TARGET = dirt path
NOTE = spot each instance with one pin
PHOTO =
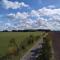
(37, 45)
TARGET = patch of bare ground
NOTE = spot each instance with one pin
(56, 44)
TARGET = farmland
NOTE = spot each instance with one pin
(5, 37)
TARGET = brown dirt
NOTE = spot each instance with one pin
(56, 44)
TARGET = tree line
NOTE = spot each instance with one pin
(28, 30)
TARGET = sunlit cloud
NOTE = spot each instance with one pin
(13, 5)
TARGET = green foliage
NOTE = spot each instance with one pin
(46, 50)
(22, 47)
(30, 39)
(12, 42)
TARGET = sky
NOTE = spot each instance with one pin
(29, 14)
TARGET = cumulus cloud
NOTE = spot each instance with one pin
(44, 18)
(19, 15)
(49, 12)
(35, 13)
(54, 17)
(13, 5)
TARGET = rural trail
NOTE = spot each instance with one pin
(36, 45)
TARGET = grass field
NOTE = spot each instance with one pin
(5, 37)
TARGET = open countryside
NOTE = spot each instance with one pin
(16, 45)
(19, 37)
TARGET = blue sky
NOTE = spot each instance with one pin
(34, 4)
(29, 14)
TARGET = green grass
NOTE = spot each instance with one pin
(5, 37)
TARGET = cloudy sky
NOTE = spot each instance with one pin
(29, 14)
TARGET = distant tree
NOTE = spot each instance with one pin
(14, 30)
(19, 30)
(5, 30)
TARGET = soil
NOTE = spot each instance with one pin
(56, 44)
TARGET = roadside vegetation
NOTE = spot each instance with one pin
(46, 50)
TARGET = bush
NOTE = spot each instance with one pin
(22, 47)
(46, 50)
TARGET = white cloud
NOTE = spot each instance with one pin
(13, 5)
(54, 17)
(35, 13)
(46, 18)
(19, 15)
(23, 15)
(47, 11)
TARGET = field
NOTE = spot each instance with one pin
(56, 44)
(5, 37)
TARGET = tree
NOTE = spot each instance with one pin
(14, 30)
